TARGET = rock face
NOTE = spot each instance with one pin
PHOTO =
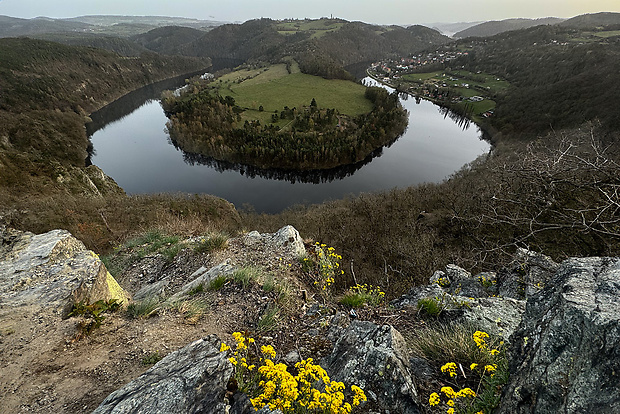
(190, 380)
(565, 356)
(53, 269)
(375, 358)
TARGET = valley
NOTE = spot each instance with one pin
(536, 219)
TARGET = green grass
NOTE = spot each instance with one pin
(318, 28)
(143, 309)
(217, 283)
(151, 359)
(276, 88)
(269, 321)
(483, 80)
(245, 276)
(607, 33)
(212, 243)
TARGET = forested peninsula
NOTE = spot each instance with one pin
(204, 120)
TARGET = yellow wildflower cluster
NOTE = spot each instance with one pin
(373, 294)
(480, 339)
(453, 397)
(450, 368)
(275, 387)
(462, 400)
(328, 266)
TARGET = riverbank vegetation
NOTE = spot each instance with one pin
(277, 117)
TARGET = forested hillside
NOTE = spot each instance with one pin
(561, 77)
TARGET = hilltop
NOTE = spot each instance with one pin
(495, 27)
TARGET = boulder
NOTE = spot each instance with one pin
(287, 239)
(53, 269)
(190, 380)
(565, 355)
(375, 358)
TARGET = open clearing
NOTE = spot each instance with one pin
(274, 87)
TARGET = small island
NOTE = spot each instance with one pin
(277, 117)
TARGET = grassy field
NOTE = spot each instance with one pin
(483, 80)
(273, 88)
(479, 84)
(318, 28)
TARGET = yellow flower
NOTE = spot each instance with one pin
(450, 368)
(473, 366)
(479, 338)
(466, 392)
(490, 369)
(268, 350)
(449, 392)
(224, 347)
(450, 411)
(434, 399)
(232, 360)
(494, 352)
(450, 403)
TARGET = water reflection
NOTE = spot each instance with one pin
(125, 105)
(291, 176)
(461, 120)
(135, 150)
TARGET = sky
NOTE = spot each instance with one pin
(401, 12)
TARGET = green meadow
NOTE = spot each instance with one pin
(274, 87)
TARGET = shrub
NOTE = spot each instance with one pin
(360, 295)
(479, 377)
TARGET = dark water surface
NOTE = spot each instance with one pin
(132, 146)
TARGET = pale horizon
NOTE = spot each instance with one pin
(400, 12)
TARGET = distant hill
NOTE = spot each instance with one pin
(123, 26)
(449, 29)
(153, 21)
(495, 27)
(122, 46)
(342, 42)
(167, 39)
(15, 27)
(586, 21)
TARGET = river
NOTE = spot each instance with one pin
(132, 146)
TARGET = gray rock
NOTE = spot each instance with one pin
(411, 298)
(497, 316)
(566, 352)
(375, 358)
(204, 277)
(53, 269)
(528, 273)
(190, 380)
(287, 239)
(153, 290)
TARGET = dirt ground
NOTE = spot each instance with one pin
(45, 369)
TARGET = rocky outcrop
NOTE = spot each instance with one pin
(190, 380)
(469, 299)
(565, 356)
(286, 239)
(53, 269)
(376, 359)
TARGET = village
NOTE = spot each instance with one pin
(429, 76)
